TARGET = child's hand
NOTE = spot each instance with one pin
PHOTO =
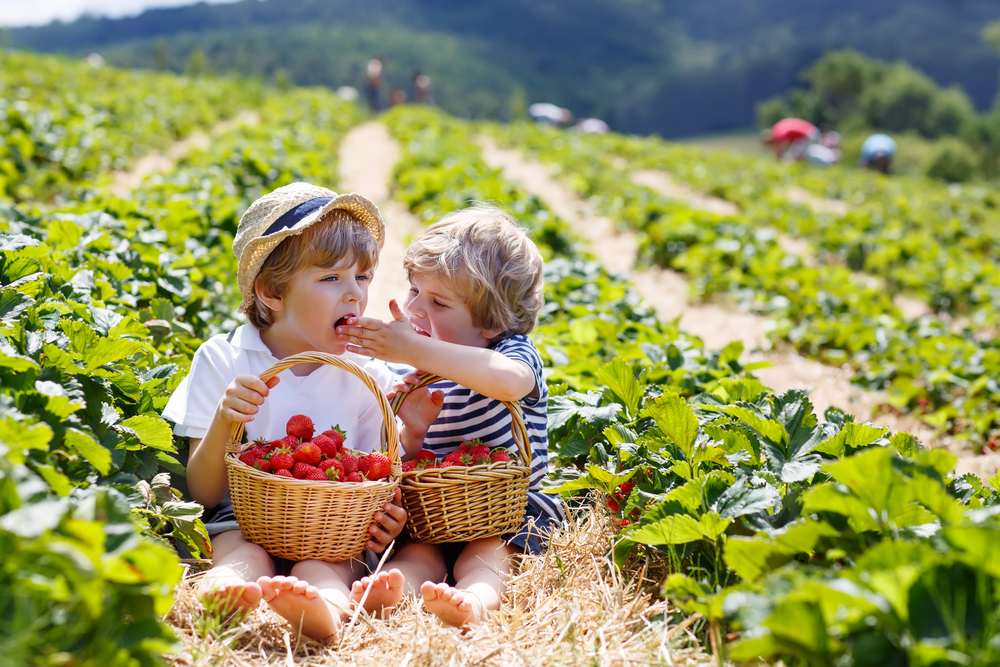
(243, 395)
(388, 524)
(386, 340)
(418, 412)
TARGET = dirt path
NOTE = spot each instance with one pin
(667, 292)
(123, 182)
(367, 156)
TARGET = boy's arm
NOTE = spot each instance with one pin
(482, 370)
(206, 468)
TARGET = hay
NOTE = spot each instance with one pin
(566, 607)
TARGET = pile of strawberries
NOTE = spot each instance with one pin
(321, 458)
(469, 453)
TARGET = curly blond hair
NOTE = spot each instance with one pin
(487, 258)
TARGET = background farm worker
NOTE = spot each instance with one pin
(306, 257)
(550, 114)
(421, 88)
(373, 82)
(475, 295)
(877, 152)
(824, 156)
(789, 137)
(591, 126)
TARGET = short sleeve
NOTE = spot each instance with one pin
(193, 403)
(522, 349)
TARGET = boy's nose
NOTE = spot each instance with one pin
(353, 292)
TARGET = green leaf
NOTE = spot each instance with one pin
(98, 456)
(13, 304)
(768, 428)
(621, 380)
(58, 481)
(851, 437)
(17, 435)
(676, 420)
(108, 350)
(151, 431)
(681, 529)
(753, 557)
(741, 499)
(731, 353)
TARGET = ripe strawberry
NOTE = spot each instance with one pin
(409, 466)
(326, 445)
(613, 505)
(425, 455)
(316, 475)
(326, 464)
(300, 426)
(300, 469)
(290, 441)
(309, 453)
(336, 434)
(263, 465)
(249, 456)
(480, 451)
(349, 460)
(447, 464)
(374, 466)
(455, 457)
(335, 474)
(282, 459)
(283, 472)
(499, 455)
(355, 477)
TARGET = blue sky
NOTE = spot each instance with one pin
(40, 12)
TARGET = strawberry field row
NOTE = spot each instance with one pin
(103, 301)
(826, 310)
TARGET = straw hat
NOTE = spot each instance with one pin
(286, 211)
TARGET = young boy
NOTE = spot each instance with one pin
(306, 256)
(476, 291)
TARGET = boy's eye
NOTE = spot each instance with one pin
(413, 290)
(439, 304)
(365, 276)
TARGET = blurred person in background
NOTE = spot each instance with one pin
(546, 113)
(421, 88)
(877, 153)
(789, 138)
(591, 126)
(373, 80)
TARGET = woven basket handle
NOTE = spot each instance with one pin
(390, 434)
(518, 429)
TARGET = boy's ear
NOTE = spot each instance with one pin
(490, 334)
(272, 301)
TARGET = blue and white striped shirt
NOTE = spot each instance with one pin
(466, 415)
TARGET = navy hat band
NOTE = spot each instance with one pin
(292, 217)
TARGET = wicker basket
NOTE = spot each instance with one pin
(304, 519)
(460, 504)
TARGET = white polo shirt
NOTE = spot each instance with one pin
(329, 395)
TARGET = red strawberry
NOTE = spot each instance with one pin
(455, 457)
(290, 441)
(409, 466)
(283, 472)
(374, 466)
(263, 465)
(326, 464)
(309, 453)
(336, 434)
(349, 460)
(316, 475)
(425, 455)
(355, 477)
(499, 455)
(249, 456)
(335, 474)
(326, 445)
(300, 426)
(613, 505)
(300, 469)
(480, 451)
(282, 459)
(447, 464)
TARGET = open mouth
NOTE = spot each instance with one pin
(343, 320)
(421, 331)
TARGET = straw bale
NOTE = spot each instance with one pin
(567, 607)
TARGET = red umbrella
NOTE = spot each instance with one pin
(793, 129)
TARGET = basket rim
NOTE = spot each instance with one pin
(390, 432)
(518, 428)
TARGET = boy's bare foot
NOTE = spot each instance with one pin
(386, 590)
(300, 604)
(452, 605)
(226, 591)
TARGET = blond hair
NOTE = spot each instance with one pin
(488, 259)
(337, 237)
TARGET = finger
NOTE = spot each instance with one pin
(437, 397)
(401, 387)
(363, 351)
(397, 513)
(239, 405)
(395, 310)
(272, 382)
